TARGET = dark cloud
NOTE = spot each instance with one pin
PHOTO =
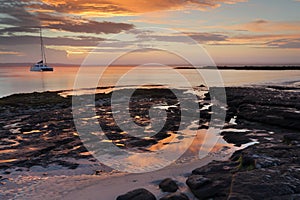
(206, 37)
(17, 14)
(89, 26)
(285, 43)
(260, 21)
(13, 30)
(184, 37)
(59, 41)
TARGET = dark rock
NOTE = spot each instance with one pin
(291, 139)
(267, 170)
(197, 181)
(214, 167)
(287, 197)
(203, 126)
(207, 96)
(262, 184)
(6, 172)
(215, 183)
(247, 162)
(236, 138)
(270, 114)
(262, 161)
(175, 196)
(168, 185)
(138, 194)
(238, 196)
(98, 172)
(216, 189)
(140, 143)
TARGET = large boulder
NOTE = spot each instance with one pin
(213, 187)
(138, 194)
(197, 181)
(168, 185)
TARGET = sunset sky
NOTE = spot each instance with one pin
(232, 31)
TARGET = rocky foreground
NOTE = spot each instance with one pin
(38, 130)
(269, 169)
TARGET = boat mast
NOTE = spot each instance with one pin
(42, 47)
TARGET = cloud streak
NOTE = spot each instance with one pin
(58, 41)
(128, 7)
(285, 43)
(187, 37)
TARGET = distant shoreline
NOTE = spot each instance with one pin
(244, 67)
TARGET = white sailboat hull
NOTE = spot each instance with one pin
(40, 68)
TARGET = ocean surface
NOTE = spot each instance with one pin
(21, 80)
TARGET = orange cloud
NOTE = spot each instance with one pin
(129, 7)
(9, 53)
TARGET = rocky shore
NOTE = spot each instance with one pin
(269, 169)
(37, 130)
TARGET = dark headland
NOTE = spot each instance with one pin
(296, 67)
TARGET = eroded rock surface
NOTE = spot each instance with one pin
(268, 169)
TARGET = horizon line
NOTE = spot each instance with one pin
(153, 65)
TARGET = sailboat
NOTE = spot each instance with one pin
(41, 66)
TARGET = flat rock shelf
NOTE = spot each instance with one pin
(39, 143)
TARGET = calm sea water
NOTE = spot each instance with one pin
(21, 80)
